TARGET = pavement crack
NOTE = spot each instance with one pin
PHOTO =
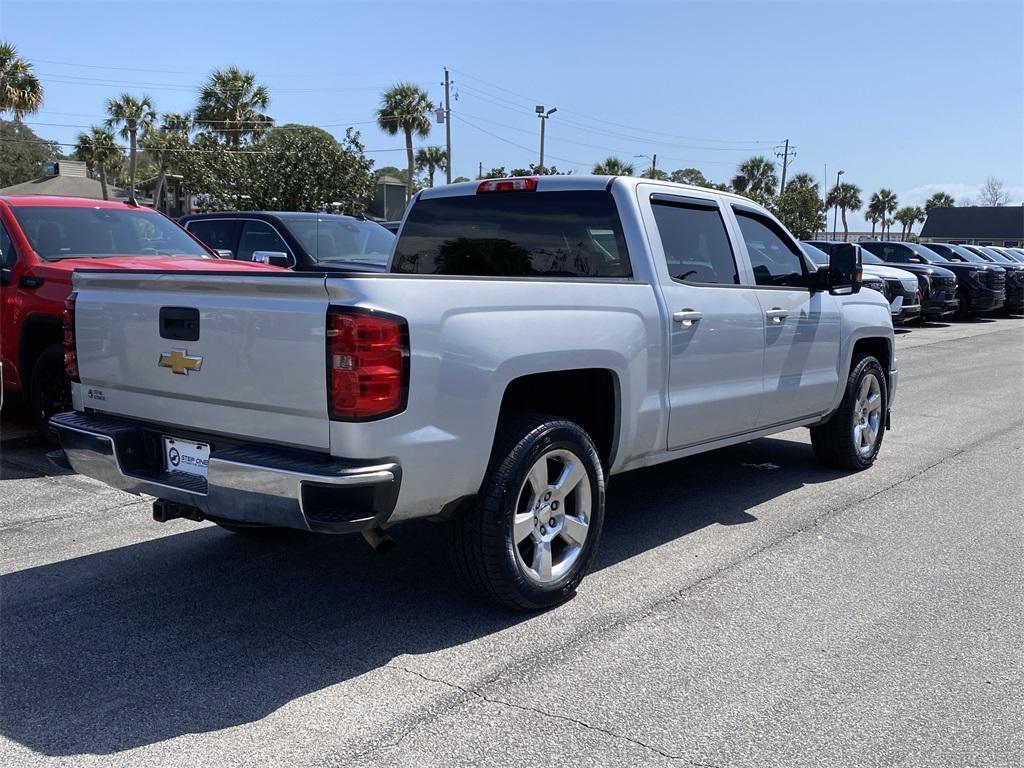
(473, 693)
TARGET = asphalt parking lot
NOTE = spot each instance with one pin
(748, 608)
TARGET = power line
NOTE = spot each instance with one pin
(190, 150)
(514, 144)
(304, 76)
(609, 122)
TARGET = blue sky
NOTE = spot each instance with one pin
(916, 96)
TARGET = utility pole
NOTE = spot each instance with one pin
(784, 153)
(539, 109)
(447, 127)
(654, 162)
(480, 170)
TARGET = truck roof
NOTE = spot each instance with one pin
(575, 182)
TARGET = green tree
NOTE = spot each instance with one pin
(887, 204)
(20, 90)
(908, 216)
(99, 150)
(132, 116)
(166, 145)
(495, 173)
(846, 197)
(655, 173)
(304, 168)
(459, 179)
(873, 212)
(802, 181)
(612, 166)
(800, 209)
(22, 153)
(690, 176)
(939, 200)
(231, 105)
(431, 159)
(405, 108)
(756, 179)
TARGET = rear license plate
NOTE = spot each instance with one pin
(184, 456)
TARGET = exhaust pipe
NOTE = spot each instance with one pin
(378, 540)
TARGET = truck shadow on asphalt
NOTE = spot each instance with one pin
(203, 630)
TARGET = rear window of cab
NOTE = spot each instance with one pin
(515, 234)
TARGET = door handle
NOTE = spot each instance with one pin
(687, 316)
(777, 314)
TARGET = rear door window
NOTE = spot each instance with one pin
(774, 259)
(695, 242)
(219, 234)
(259, 236)
(515, 234)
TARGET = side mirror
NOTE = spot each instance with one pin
(277, 258)
(844, 270)
(224, 253)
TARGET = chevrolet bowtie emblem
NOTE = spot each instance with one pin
(180, 361)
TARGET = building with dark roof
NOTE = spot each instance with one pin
(976, 225)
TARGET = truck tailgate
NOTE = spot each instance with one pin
(254, 370)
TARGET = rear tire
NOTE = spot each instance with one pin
(531, 536)
(851, 438)
(49, 390)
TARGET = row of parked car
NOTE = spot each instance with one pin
(926, 281)
(59, 235)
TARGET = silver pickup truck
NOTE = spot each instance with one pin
(531, 338)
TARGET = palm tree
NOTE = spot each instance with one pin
(98, 149)
(939, 200)
(756, 178)
(612, 166)
(406, 108)
(887, 204)
(231, 105)
(132, 115)
(162, 143)
(846, 197)
(20, 91)
(431, 159)
(802, 181)
(874, 212)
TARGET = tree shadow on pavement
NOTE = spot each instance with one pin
(199, 631)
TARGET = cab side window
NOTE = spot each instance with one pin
(259, 236)
(695, 242)
(7, 248)
(775, 260)
(219, 234)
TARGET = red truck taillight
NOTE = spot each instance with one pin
(367, 364)
(70, 352)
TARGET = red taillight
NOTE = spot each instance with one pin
(367, 364)
(527, 184)
(70, 352)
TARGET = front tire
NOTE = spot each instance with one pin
(49, 390)
(851, 438)
(530, 538)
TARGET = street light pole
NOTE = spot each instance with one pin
(654, 162)
(543, 115)
(835, 215)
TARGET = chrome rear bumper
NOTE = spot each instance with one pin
(254, 484)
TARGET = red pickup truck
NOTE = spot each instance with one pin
(43, 239)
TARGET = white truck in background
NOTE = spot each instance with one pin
(531, 338)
